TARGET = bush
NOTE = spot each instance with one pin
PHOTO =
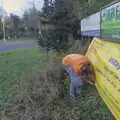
(54, 39)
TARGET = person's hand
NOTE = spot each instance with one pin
(88, 79)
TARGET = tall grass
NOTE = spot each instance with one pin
(43, 94)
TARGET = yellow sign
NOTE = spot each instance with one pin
(105, 57)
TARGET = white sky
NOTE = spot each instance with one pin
(18, 6)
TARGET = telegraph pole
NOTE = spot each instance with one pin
(4, 34)
(3, 24)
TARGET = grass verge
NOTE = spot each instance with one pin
(16, 65)
(34, 87)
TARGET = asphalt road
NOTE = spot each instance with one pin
(15, 44)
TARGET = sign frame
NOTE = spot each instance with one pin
(101, 32)
(89, 30)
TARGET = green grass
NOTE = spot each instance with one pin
(14, 66)
(21, 64)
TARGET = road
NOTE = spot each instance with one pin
(15, 44)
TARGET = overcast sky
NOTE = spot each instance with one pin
(18, 6)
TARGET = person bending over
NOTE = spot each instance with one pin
(80, 71)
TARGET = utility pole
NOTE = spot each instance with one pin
(4, 34)
(3, 23)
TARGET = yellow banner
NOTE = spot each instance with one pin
(105, 57)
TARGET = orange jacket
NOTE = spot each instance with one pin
(76, 61)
